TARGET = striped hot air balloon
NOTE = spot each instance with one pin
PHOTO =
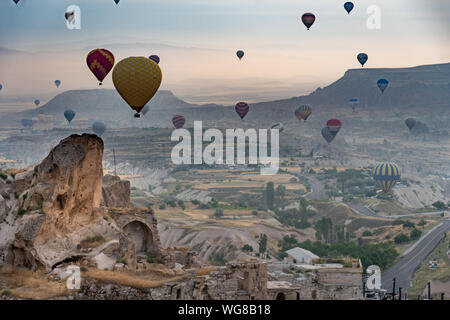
(308, 19)
(178, 121)
(386, 175)
(242, 109)
(100, 62)
(303, 112)
(334, 125)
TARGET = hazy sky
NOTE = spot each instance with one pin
(197, 41)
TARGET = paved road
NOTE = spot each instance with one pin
(317, 189)
(405, 268)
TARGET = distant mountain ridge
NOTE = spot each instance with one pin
(423, 86)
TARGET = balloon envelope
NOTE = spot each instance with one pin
(99, 128)
(327, 135)
(57, 83)
(178, 121)
(137, 79)
(240, 54)
(348, 7)
(303, 112)
(100, 62)
(382, 84)
(334, 125)
(386, 175)
(242, 109)
(362, 58)
(16, 1)
(410, 123)
(308, 19)
(69, 114)
(155, 58)
(1, 87)
(37, 102)
(117, 1)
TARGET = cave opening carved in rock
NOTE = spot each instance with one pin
(141, 235)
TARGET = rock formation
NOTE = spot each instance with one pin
(116, 193)
(54, 212)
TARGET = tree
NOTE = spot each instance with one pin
(287, 243)
(401, 238)
(280, 192)
(181, 204)
(218, 213)
(439, 205)
(247, 248)
(415, 234)
(324, 227)
(269, 195)
(367, 233)
(263, 243)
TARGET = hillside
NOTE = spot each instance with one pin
(409, 88)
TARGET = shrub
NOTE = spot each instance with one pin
(151, 259)
(195, 202)
(3, 176)
(415, 234)
(401, 238)
(247, 248)
(162, 207)
(422, 223)
(367, 233)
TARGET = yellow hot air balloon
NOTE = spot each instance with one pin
(137, 79)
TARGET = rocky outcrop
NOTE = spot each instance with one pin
(116, 193)
(54, 214)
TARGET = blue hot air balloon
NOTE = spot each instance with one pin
(354, 102)
(155, 58)
(386, 175)
(348, 7)
(16, 1)
(99, 128)
(37, 102)
(328, 135)
(382, 84)
(117, 1)
(1, 87)
(240, 54)
(57, 83)
(362, 58)
(69, 114)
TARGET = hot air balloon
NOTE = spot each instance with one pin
(240, 54)
(57, 83)
(145, 110)
(348, 7)
(386, 175)
(16, 1)
(303, 112)
(117, 1)
(27, 123)
(382, 84)
(100, 62)
(362, 58)
(137, 79)
(178, 121)
(155, 58)
(99, 128)
(354, 102)
(410, 123)
(37, 102)
(278, 126)
(242, 109)
(1, 87)
(334, 125)
(327, 135)
(69, 114)
(308, 19)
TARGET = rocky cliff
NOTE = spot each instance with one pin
(51, 213)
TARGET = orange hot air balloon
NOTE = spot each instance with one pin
(137, 79)
(100, 62)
